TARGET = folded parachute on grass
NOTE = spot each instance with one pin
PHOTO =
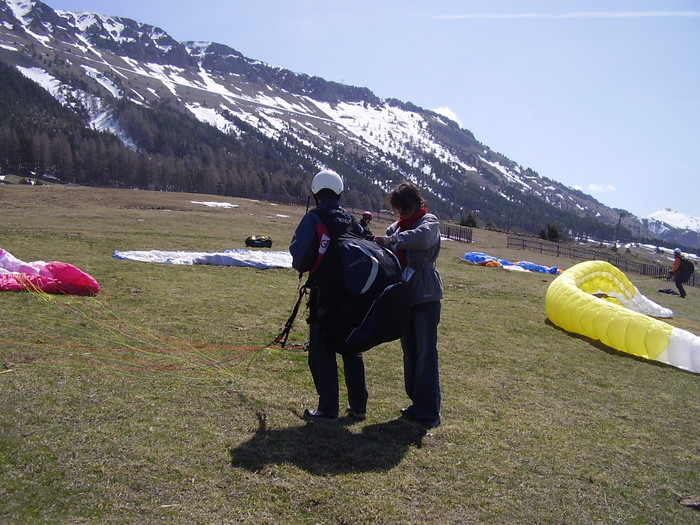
(481, 259)
(246, 258)
(595, 299)
(53, 277)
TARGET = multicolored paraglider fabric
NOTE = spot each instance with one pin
(595, 299)
(52, 277)
(481, 259)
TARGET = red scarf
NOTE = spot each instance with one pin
(408, 224)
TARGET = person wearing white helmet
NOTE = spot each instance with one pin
(676, 272)
(327, 180)
(308, 248)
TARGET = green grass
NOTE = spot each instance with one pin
(146, 404)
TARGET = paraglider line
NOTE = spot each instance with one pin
(129, 348)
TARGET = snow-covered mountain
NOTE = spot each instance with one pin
(674, 227)
(98, 65)
(676, 219)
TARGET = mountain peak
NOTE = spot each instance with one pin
(676, 219)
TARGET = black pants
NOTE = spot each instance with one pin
(420, 360)
(324, 370)
(679, 284)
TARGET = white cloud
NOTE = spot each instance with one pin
(595, 188)
(447, 112)
(601, 188)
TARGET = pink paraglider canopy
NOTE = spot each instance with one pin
(53, 277)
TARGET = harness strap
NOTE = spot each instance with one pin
(281, 339)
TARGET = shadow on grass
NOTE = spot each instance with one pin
(326, 448)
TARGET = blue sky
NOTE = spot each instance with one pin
(603, 96)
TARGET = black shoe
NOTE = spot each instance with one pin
(316, 415)
(359, 416)
(408, 412)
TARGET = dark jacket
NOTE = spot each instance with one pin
(311, 238)
(367, 232)
(309, 250)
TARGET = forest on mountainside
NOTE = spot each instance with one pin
(176, 152)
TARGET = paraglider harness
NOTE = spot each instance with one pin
(363, 287)
(686, 270)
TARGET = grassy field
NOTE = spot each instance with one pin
(154, 402)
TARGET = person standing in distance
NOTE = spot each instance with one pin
(308, 249)
(415, 238)
(364, 222)
(677, 273)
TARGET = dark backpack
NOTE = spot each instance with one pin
(363, 299)
(259, 241)
(686, 270)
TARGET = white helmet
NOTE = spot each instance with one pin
(327, 179)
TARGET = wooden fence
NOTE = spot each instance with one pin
(588, 254)
(456, 233)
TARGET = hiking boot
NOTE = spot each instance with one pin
(316, 415)
(408, 412)
(359, 416)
